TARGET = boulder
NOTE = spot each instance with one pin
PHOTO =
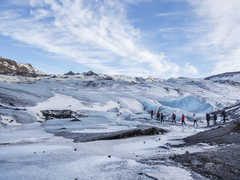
(90, 73)
(87, 137)
(61, 114)
(70, 73)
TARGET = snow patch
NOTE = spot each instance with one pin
(8, 120)
(131, 104)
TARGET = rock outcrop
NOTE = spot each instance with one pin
(90, 73)
(223, 162)
(87, 137)
(71, 73)
(61, 114)
(10, 67)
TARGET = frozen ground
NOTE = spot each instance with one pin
(29, 150)
(35, 154)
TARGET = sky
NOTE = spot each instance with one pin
(158, 38)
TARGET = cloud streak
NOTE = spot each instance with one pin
(221, 38)
(97, 35)
(167, 14)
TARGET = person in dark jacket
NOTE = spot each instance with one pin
(151, 112)
(158, 115)
(174, 118)
(162, 117)
(224, 116)
(208, 119)
(215, 118)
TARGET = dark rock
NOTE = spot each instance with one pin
(225, 135)
(58, 114)
(11, 67)
(76, 120)
(163, 147)
(237, 126)
(61, 114)
(140, 79)
(70, 73)
(167, 89)
(90, 73)
(87, 137)
(220, 164)
(223, 75)
(232, 83)
(11, 104)
(109, 78)
(148, 176)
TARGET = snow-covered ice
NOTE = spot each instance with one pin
(29, 150)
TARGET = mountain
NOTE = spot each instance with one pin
(228, 77)
(11, 67)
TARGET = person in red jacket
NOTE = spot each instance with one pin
(183, 120)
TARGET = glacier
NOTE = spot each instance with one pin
(29, 148)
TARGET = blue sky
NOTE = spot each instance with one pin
(159, 38)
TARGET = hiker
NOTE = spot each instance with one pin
(174, 118)
(151, 112)
(208, 119)
(215, 118)
(183, 120)
(158, 115)
(224, 116)
(195, 124)
(161, 117)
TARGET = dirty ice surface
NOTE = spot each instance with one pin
(29, 149)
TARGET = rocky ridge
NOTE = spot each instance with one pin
(11, 67)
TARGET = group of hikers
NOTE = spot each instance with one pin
(215, 117)
(161, 117)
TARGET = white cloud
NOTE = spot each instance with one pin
(96, 34)
(221, 39)
(191, 70)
